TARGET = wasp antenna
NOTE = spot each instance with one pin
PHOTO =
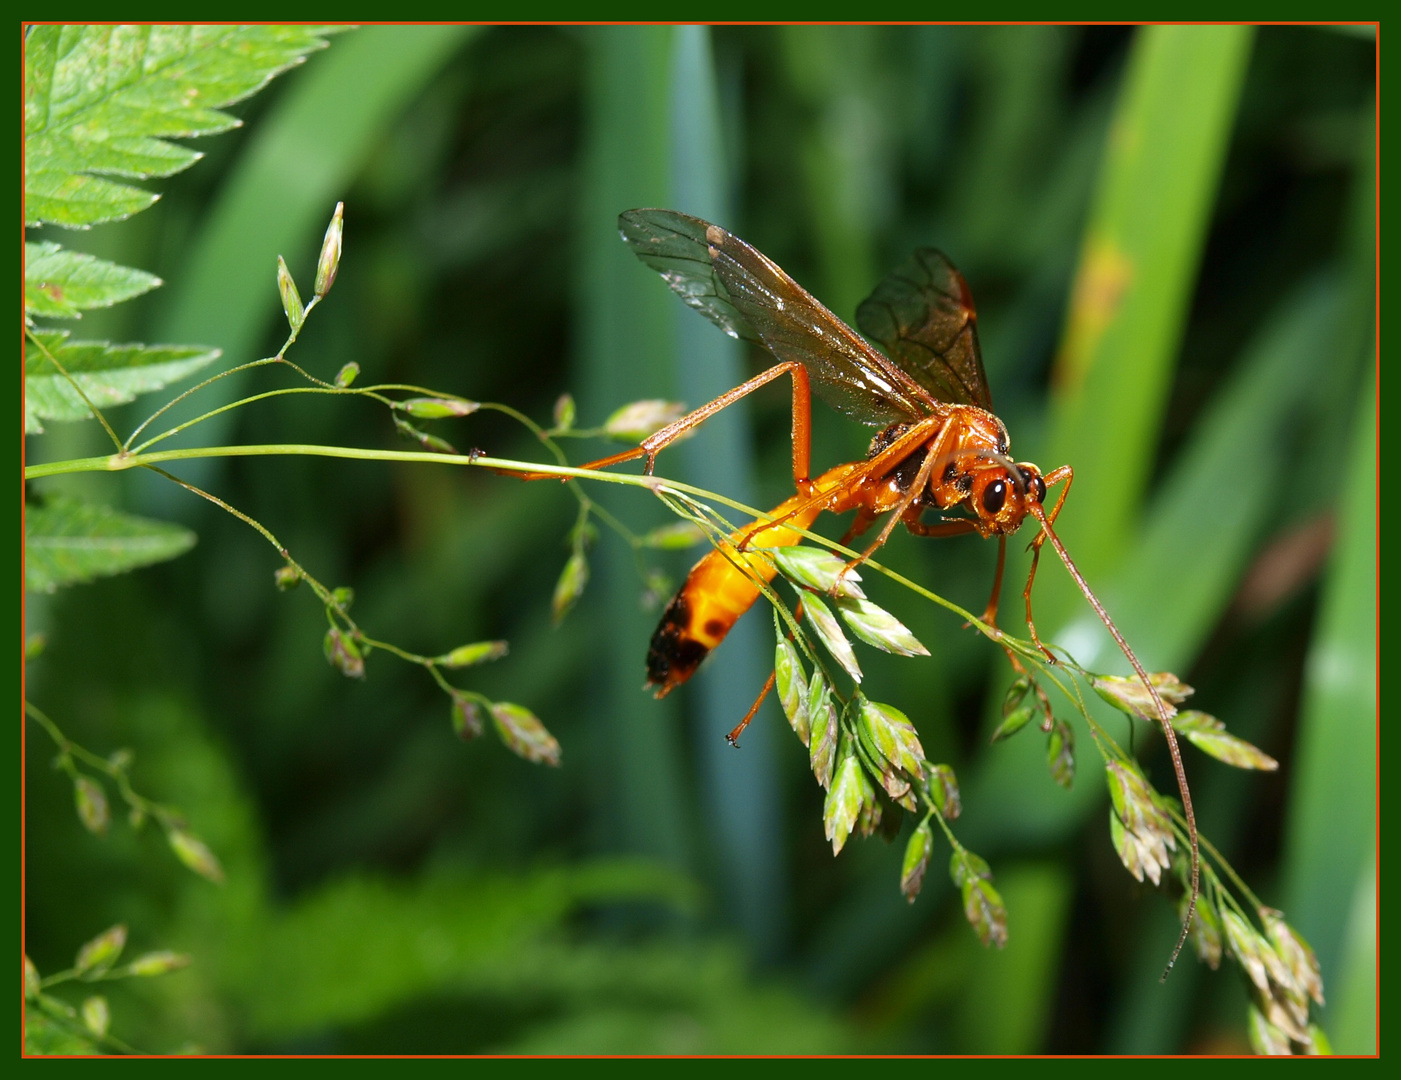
(1017, 477)
(1018, 474)
(1039, 513)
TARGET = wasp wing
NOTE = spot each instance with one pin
(922, 315)
(674, 245)
(748, 296)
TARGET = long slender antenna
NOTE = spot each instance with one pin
(1038, 512)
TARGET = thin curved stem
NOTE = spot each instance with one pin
(126, 446)
(68, 750)
(230, 406)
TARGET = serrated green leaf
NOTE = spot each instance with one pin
(67, 542)
(60, 284)
(108, 374)
(104, 99)
(78, 201)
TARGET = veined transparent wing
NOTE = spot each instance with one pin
(922, 315)
(748, 296)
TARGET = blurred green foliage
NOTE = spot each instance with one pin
(390, 889)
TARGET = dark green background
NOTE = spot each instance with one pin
(394, 890)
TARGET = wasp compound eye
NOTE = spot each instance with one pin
(994, 495)
(1038, 489)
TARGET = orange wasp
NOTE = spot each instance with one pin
(940, 447)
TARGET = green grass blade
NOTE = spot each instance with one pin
(626, 333)
(1332, 803)
(833, 70)
(1138, 263)
(1352, 1014)
(1173, 586)
(742, 801)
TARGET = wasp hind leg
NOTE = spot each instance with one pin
(655, 443)
(733, 737)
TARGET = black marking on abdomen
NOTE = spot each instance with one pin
(674, 654)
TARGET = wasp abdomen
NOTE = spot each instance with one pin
(724, 585)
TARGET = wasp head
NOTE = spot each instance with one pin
(1001, 496)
